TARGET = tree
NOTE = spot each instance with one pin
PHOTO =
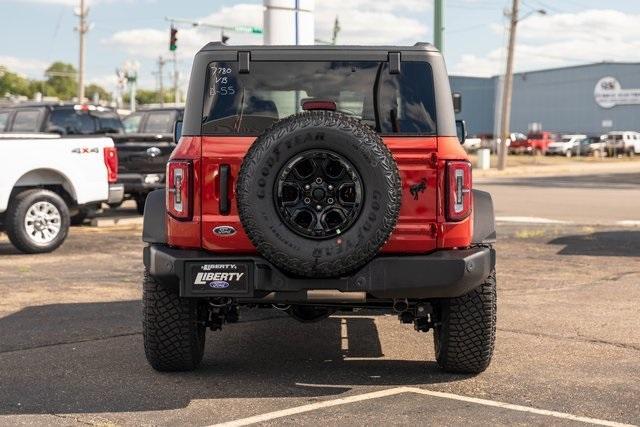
(97, 89)
(14, 84)
(61, 80)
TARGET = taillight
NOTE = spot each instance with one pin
(458, 190)
(111, 162)
(179, 188)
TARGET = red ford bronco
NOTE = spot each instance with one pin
(318, 179)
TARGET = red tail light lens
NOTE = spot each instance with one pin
(458, 190)
(179, 189)
(111, 162)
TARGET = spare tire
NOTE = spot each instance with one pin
(318, 194)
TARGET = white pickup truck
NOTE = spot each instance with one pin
(45, 179)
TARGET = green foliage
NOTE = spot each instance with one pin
(93, 88)
(144, 97)
(61, 82)
(14, 84)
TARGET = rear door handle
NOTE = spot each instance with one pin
(224, 205)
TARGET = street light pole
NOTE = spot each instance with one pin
(438, 24)
(507, 88)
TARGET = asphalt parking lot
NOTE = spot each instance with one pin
(568, 345)
(568, 341)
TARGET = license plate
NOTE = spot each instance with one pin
(219, 278)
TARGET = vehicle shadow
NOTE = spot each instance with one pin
(603, 243)
(100, 365)
(7, 248)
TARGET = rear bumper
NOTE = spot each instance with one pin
(441, 274)
(141, 183)
(116, 193)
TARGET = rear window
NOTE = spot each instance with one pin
(72, 122)
(4, 118)
(132, 123)
(159, 122)
(247, 104)
(26, 121)
(109, 122)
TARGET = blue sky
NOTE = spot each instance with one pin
(37, 32)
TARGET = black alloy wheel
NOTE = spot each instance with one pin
(319, 194)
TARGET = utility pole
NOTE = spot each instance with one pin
(176, 78)
(438, 24)
(82, 29)
(161, 63)
(336, 30)
(508, 88)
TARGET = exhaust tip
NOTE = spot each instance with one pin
(400, 305)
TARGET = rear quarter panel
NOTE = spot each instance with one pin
(79, 160)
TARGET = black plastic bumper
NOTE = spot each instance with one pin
(441, 274)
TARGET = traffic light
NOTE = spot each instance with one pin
(224, 39)
(173, 40)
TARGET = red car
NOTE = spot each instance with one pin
(536, 143)
(315, 179)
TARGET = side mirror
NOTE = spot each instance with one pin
(461, 130)
(177, 131)
(457, 102)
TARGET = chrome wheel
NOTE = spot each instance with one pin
(42, 222)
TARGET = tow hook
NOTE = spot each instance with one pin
(421, 316)
(221, 311)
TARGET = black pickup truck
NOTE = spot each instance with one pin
(144, 149)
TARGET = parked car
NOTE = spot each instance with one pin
(47, 179)
(472, 144)
(64, 119)
(301, 203)
(625, 142)
(536, 143)
(144, 149)
(564, 146)
(590, 146)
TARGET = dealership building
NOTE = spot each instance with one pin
(592, 99)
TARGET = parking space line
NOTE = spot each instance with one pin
(400, 390)
(531, 220)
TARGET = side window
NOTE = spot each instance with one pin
(26, 121)
(159, 122)
(132, 123)
(4, 119)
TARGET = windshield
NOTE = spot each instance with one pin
(566, 139)
(239, 103)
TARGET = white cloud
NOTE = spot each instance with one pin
(562, 39)
(24, 66)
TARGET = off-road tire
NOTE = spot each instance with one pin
(465, 332)
(14, 220)
(173, 336)
(348, 137)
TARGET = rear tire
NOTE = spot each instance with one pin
(47, 211)
(173, 334)
(140, 201)
(465, 332)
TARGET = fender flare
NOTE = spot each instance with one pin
(154, 226)
(484, 223)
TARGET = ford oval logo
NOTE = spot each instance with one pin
(153, 152)
(219, 284)
(224, 230)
